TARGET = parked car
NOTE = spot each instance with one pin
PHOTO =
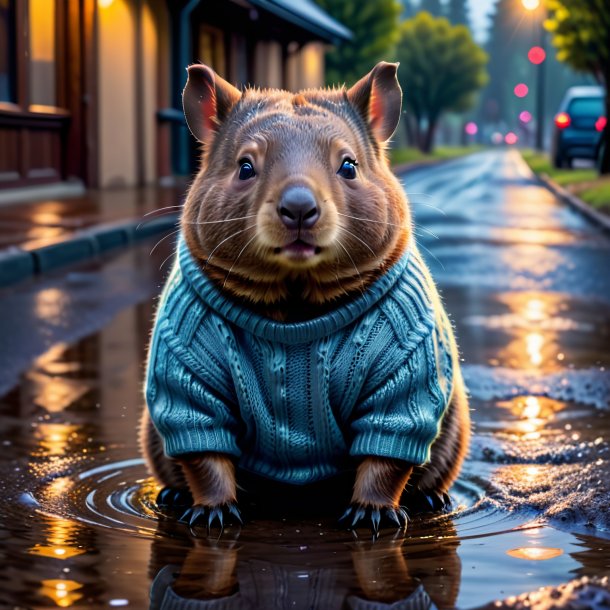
(578, 125)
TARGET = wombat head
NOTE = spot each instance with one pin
(294, 198)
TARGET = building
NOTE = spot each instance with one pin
(90, 89)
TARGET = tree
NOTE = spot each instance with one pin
(375, 26)
(457, 12)
(441, 69)
(581, 31)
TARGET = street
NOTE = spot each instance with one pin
(526, 282)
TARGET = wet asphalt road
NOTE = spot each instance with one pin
(526, 282)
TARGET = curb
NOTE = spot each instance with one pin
(600, 220)
(17, 264)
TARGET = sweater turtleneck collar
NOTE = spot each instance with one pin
(286, 332)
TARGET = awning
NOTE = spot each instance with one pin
(307, 15)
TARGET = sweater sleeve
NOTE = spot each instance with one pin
(401, 417)
(189, 413)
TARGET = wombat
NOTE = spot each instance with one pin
(300, 338)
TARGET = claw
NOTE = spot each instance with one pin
(208, 515)
(235, 512)
(171, 497)
(215, 513)
(373, 517)
(375, 520)
(390, 513)
(360, 513)
(404, 517)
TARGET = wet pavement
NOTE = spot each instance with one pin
(526, 282)
(42, 223)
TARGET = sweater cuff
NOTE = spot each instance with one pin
(412, 449)
(199, 440)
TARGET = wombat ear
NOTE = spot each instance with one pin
(378, 98)
(207, 99)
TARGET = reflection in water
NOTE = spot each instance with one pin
(63, 592)
(535, 553)
(534, 343)
(56, 439)
(417, 573)
(532, 322)
(61, 540)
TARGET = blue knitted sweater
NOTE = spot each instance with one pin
(296, 402)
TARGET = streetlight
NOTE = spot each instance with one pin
(537, 56)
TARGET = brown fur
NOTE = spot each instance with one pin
(232, 227)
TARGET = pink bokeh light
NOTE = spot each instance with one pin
(525, 116)
(471, 128)
(536, 55)
(521, 90)
(511, 138)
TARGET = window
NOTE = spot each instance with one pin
(7, 50)
(42, 52)
(212, 49)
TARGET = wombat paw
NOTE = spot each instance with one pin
(374, 518)
(174, 498)
(420, 501)
(206, 516)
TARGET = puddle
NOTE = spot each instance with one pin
(78, 523)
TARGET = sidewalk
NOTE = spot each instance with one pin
(36, 237)
(39, 236)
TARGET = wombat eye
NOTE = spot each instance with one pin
(348, 169)
(246, 170)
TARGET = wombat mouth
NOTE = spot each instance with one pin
(298, 250)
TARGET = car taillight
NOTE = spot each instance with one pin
(562, 120)
(600, 123)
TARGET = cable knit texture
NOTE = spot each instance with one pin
(296, 402)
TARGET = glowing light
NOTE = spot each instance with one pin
(530, 5)
(535, 553)
(600, 124)
(536, 55)
(533, 347)
(104, 3)
(562, 120)
(525, 116)
(532, 472)
(60, 543)
(511, 138)
(521, 90)
(471, 128)
(496, 137)
(63, 592)
(534, 310)
(532, 408)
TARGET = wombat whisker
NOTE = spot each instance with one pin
(167, 207)
(354, 264)
(173, 253)
(436, 258)
(163, 239)
(381, 222)
(358, 238)
(427, 205)
(237, 257)
(422, 194)
(211, 254)
(143, 222)
(213, 222)
(428, 232)
(337, 276)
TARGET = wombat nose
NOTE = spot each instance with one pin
(297, 208)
